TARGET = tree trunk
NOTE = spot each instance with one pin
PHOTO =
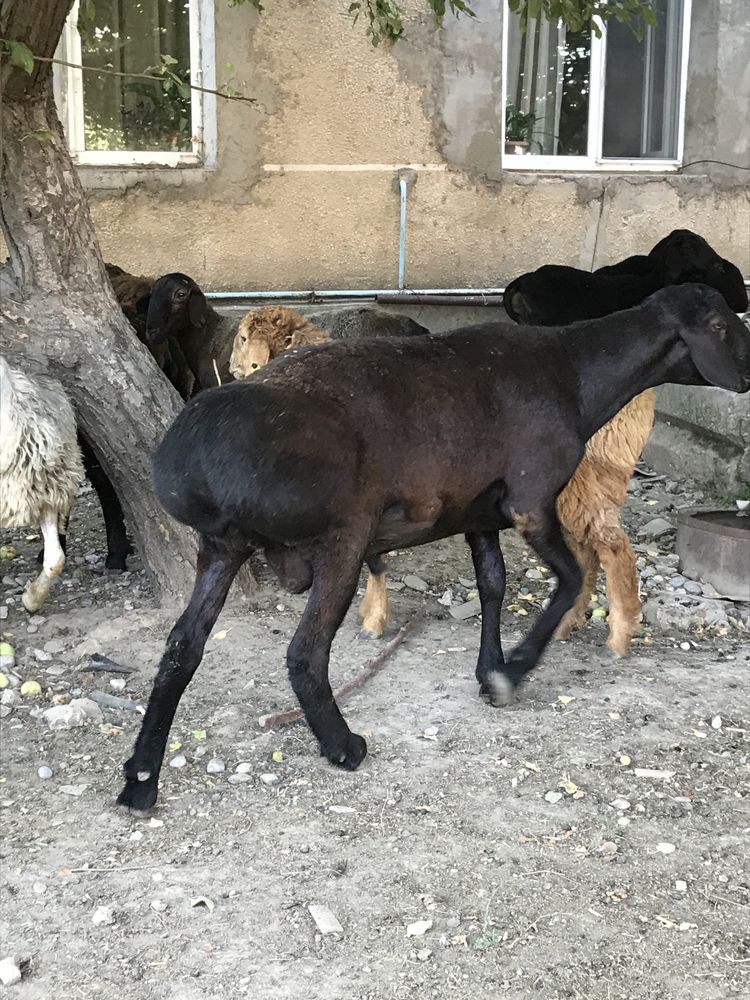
(57, 309)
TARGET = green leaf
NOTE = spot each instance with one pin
(21, 55)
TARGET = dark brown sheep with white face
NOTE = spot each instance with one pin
(346, 450)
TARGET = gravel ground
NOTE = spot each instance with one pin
(591, 841)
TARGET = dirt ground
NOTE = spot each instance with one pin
(591, 841)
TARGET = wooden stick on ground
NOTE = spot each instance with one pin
(371, 667)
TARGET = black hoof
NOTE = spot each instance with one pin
(497, 689)
(351, 756)
(116, 561)
(138, 796)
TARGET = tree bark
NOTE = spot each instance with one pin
(57, 310)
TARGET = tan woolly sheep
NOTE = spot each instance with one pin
(265, 333)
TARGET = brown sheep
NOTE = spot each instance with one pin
(589, 510)
(265, 333)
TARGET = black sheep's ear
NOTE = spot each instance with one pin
(711, 355)
(197, 306)
(141, 306)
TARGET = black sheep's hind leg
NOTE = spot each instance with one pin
(217, 567)
(336, 570)
(490, 570)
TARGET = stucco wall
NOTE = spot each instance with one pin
(303, 194)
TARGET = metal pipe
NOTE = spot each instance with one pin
(312, 295)
(428, 299)
(327, 295)
(403, 185)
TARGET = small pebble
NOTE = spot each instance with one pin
(44, 772)
(103, 916)
(716, 722)
(9, 972)
(3, 612)
(680, 885)
(10, 697)
(692, 587)
(325, 920)
(158, 905)
(216, 766)
(65, 717)
(463, 611)
(415, 583)
(178, 761)
(117, 683)
(666, 848)
(244, 768)
(269, 779)
(685, 646)
(39, 888)
(620, 804)
(238, 779)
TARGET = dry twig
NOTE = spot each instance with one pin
(273, 721)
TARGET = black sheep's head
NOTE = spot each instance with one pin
(174, 305)
(718, 341)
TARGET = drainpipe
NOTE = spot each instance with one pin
(405, 178)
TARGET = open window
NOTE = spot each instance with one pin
(577, 101)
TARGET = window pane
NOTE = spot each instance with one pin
(642, 87)
(548, 71)
(131, 36)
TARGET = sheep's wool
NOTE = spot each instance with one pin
(40, 461)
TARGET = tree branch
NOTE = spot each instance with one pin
(139, 76)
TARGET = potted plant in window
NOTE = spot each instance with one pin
(518, 129)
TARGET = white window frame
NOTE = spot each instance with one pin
(593, 161)
(68, 87)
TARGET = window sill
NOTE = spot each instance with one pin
(137, 161)
(582, 165)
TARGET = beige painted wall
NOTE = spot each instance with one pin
(285, 209)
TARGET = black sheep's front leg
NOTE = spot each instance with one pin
(217, 567)
(336, 570)
(489, 566)
(543, 532)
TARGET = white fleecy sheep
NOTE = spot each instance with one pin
(40, 466)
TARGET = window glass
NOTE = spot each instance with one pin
(576, 94)
(641, 105)
(133, 36)
(548, 89)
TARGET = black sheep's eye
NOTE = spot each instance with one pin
(180, 294)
